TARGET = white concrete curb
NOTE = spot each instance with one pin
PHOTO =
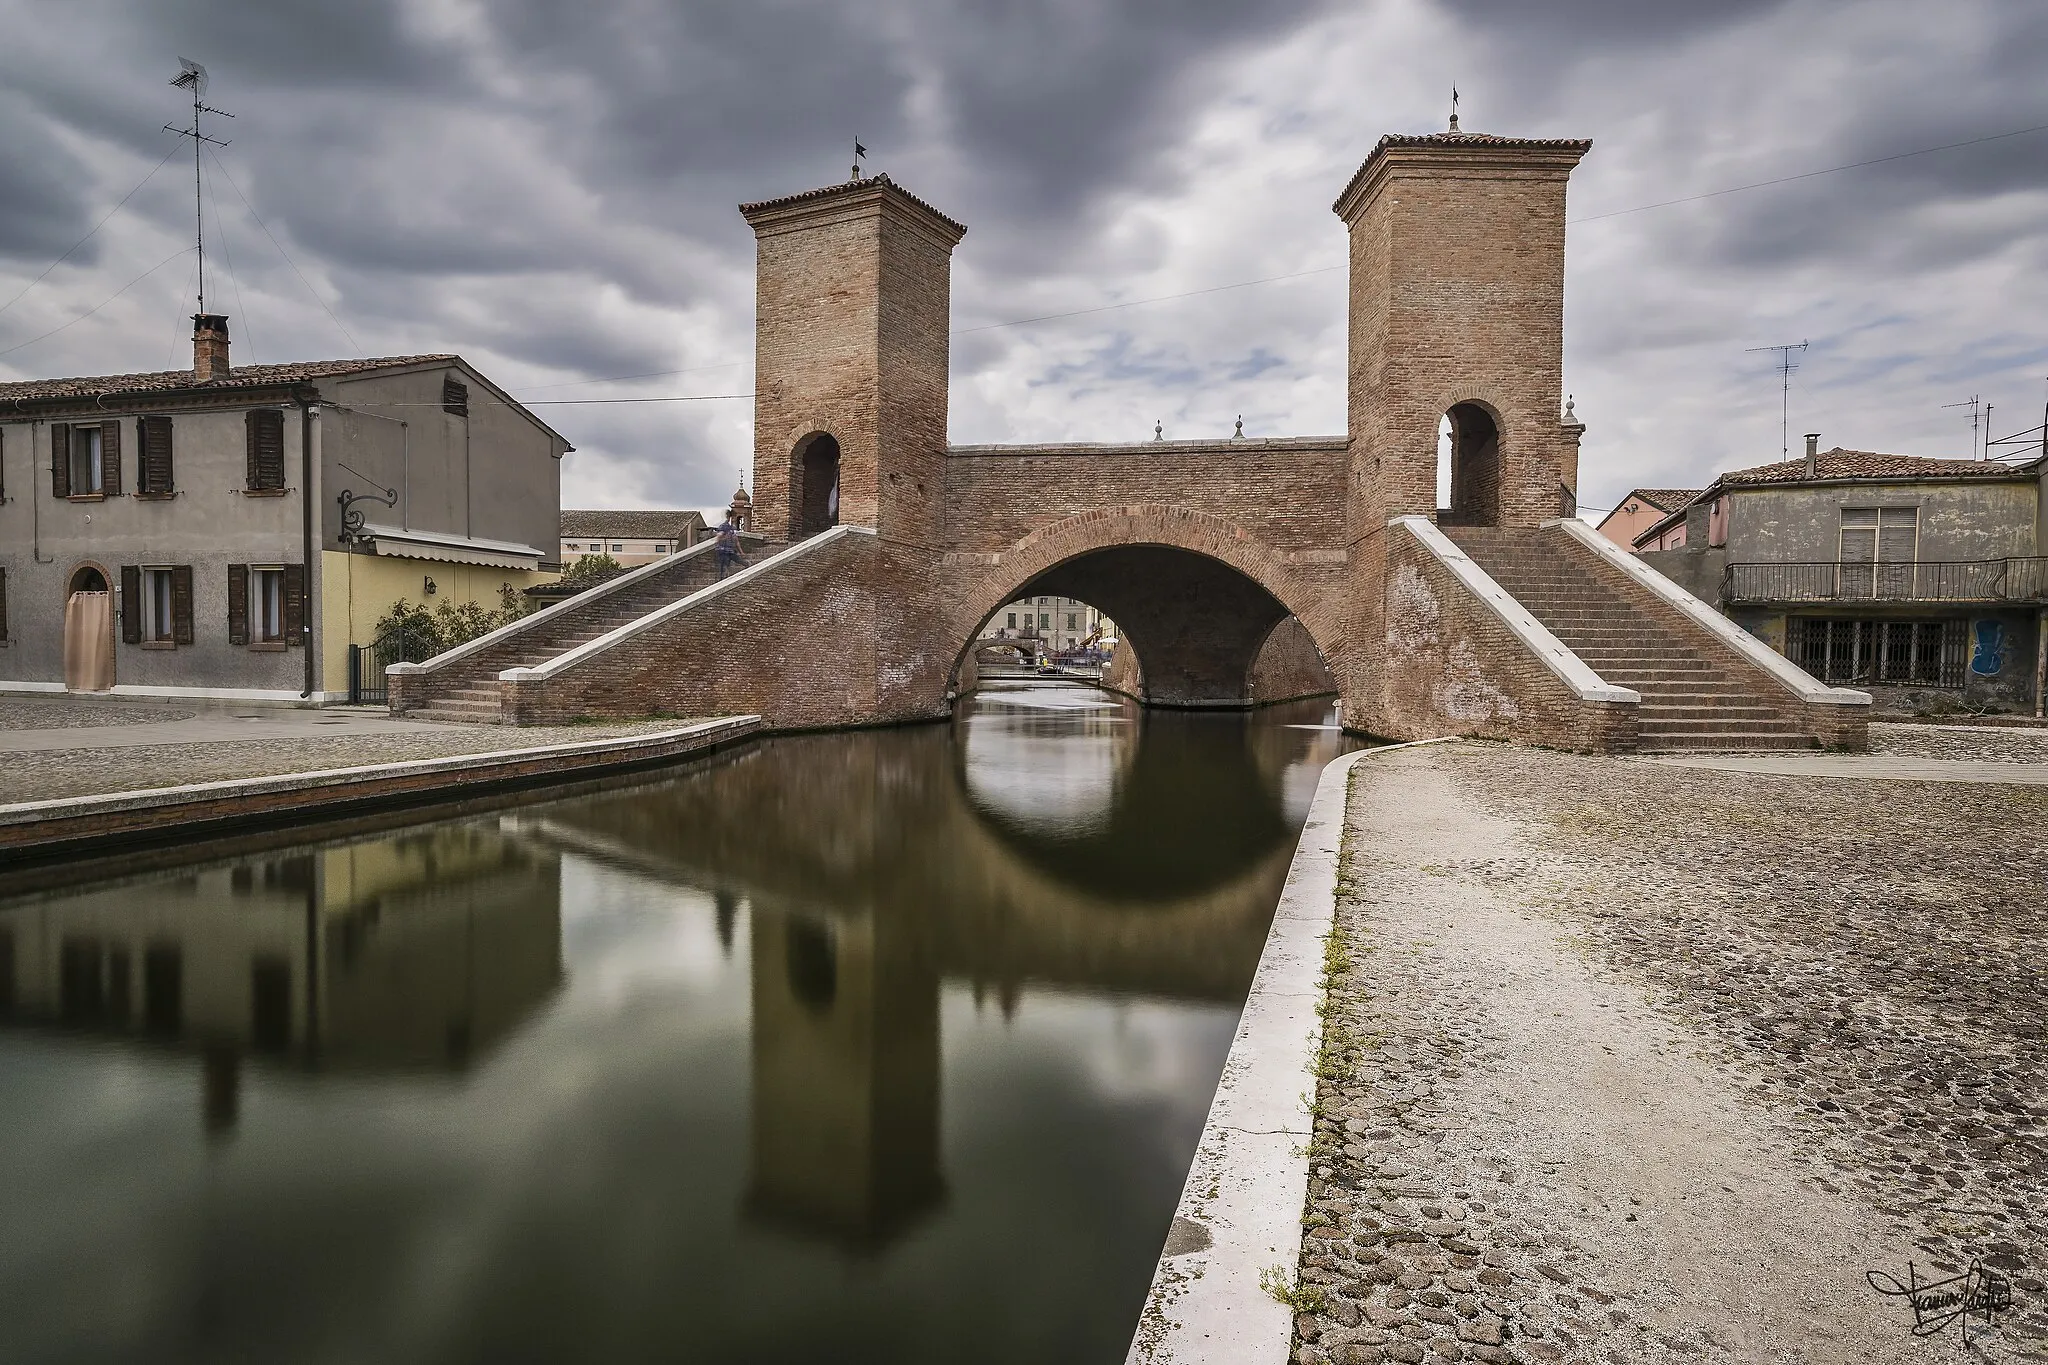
(1555, 654)
(1787, 674)
(1240, 1210)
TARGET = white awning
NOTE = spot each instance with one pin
(451, 549)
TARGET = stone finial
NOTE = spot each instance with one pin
(1571, 416)
(1159, 430)
(1238, 435)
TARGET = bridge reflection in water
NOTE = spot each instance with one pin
(605, 1077)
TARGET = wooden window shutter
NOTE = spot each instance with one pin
(110, 459)
(238, 604)
(3, 465)
(454, 396)
(266, 449)
(181, 604)
(60, 460)
(154, 437)
(249, 421)
(3, 604)
(295, 604)
(131, 604)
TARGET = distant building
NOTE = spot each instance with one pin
(631, 537)
(1060, 623)
(1923, 580)
(1641, 509)
(191, 525)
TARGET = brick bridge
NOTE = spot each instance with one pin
(1499, 615)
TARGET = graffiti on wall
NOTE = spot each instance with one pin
(1990, 653)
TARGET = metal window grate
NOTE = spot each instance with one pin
(1916, 653)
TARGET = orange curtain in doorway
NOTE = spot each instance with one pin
(89, 642)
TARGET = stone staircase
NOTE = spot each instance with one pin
(463, 685)
(1695, 696)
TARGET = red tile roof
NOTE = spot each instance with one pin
(1663, 499)
(240, 377)
(1868, 464)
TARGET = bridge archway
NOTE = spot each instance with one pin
(1469, 445)
(1194, 597)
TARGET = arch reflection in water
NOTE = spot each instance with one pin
(659, 1060)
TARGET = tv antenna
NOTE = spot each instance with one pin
(1977, 411)
(192, 76)
(1786, 366)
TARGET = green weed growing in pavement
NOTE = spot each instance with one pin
(1302, 1298)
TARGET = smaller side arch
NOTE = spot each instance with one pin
(814, 469)
(1476, 470)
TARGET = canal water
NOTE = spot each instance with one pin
(880, 1046)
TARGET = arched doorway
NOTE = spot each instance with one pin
(1468, 469)
(88, 630)
(814, 485)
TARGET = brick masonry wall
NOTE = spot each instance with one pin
(799, 643)
(1452, 668)
(1289, 666)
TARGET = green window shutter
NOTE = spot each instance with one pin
(3, 604)
(60, 460)
(131, 604)
(181, 604)
(110, 459)
(238, 604)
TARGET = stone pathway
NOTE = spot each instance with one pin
(216, 747)
(1976, 743)
(1633, 1062)
(19, 712)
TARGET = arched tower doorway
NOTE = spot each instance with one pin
(1469, 446)
(814, 485)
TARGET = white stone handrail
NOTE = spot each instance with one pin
(1534, 635)
(589, 649)
(548, 614)
(1783, 671)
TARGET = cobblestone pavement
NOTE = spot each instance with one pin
(1980, 743)
(44, 774)
(1632, 1063)
(67, 713)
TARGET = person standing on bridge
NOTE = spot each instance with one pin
(729, 547)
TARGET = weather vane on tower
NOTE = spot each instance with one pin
(1454, 107)
(858, 152)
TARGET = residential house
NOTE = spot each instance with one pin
(1060, 623)
(630, 537)
(1641, 509)
(1923, 580)
(229, 532)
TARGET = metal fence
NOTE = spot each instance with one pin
(1864, 651)
(1965, 580)
(366, 663)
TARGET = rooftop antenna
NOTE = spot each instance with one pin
(1786, 366)
(192, 76)
(1973, 403)
(1454, 107)
(858, 152)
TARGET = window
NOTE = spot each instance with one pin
(265, 451)
(1041, 601)
(1044, 619)
(1922, 653)
(158, 619)
(1070, 621)
(569, 545)
(266, 606)
(454, 397)
(87, 461)
(616, 547)
(661, 547)
(1879, 545)
(1013, 620)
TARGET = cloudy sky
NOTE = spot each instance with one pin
(549, 189)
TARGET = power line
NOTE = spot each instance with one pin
(222, 168)
(181, 251)
(95, 228)
(1808, 175)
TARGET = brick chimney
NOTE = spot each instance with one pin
(1812, 454)
(209, 346)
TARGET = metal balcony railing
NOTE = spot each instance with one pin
(2016, 579)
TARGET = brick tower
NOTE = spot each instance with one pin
(1457, 310)
(853, 291)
